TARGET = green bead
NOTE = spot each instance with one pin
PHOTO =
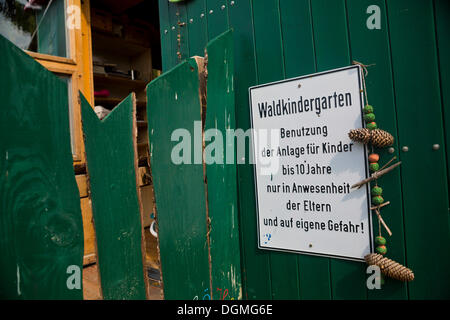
(381, 250)
(376, 191)
(369, 117)
(374, 166)
(379, 240)
(377, 200)
(368, 109)
(371, 126)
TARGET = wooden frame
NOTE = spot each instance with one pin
(78, 65)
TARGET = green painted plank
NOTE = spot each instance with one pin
(217, 13)
(41, 231)
(110, 154)
(348, 279)
(174, 103)
(179, 32)
(442, 16)
(255, 267)
(298, 42)
(220, 173)
(423, 170)
(299, 59)
(270, 66)
(197, 27)
(166, 35)
(371, 46)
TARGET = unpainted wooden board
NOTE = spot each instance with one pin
(89, 232)
(82, 185)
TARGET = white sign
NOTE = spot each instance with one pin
(305, 164)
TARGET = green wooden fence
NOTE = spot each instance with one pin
(41, 231)
(408, 85)
(111, 154)
(196, 196)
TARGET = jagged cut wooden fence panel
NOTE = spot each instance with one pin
(41, 232)
(174, 111)
(112, 166)
(220, 157)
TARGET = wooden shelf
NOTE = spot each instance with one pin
(111, 79)
(116, 101)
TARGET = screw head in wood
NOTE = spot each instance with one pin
(222, 7)
(191, 20)
(391, 150)
(232, 3)
(436, 146)
(211, 11)
(202, 15)
(405, 149)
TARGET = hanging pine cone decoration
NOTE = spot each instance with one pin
(381, 138)
(377, 137)
(389, 267)
(360, 135)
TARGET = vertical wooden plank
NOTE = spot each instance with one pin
(174, 103)
(220, 173)
(217, 13)
(179, 32)
(442, 16)
(111, 165)
(371, 47)
(423, 170)
(270, 66)
(166, 35)
(41, 231)
(299, 59)
(255, 266)
(348, 280)
(197, 27)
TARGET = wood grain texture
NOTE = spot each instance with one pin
(174, 103)
(220, 173)
(41, 231)
(111, 164)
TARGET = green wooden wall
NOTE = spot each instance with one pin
(41, 231)
(409, 87)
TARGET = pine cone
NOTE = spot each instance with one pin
(389, 267)
(381, 138)
(360, 135)
(377, 137)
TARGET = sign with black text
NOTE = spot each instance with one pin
(305, 164)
